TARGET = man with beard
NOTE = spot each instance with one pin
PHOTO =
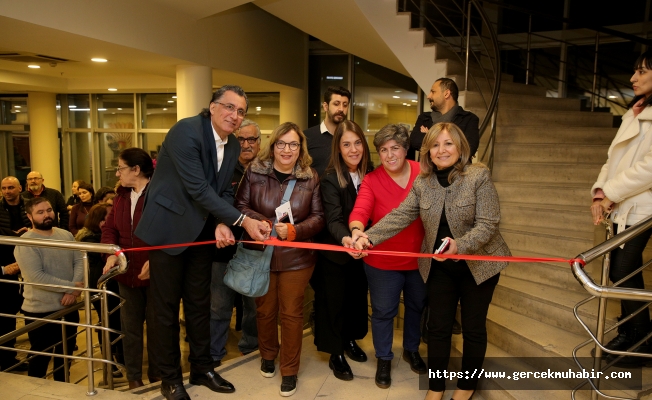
(223, 297)
(35, 188)
(53, 267)
(443, 102)
(319, 137)
(13, 222)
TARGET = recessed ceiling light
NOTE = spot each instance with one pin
(17, 111)
(405, 104)
(72, 106)
(119, 109)
(613, 97)
(397, 91)
(16, 106)
(414, 101)
(174, 97)
(98, 59)
(165, 109)
(396, 97)
(113, 89)
(34, 66)
(409, 105)
(170, 101)
(258, 108)
(101, 109)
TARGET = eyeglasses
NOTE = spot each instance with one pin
(231, 108)
(119, 169)
(281, 145)
(250, 140)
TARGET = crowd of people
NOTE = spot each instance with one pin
(215, 181)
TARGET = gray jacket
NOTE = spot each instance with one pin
(472, 211)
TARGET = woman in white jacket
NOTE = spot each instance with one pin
(624, 188)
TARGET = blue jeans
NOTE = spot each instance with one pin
(222, 298)
(385, 288)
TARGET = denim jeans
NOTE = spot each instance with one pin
(385, 287)
(222, 298)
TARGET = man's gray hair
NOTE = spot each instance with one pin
(248, 122)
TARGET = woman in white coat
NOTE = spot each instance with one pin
(624, 189)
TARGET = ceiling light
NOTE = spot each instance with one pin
(258, 108)
(101, 109)
(613, 97)
(16, 106)
(58, 107)
(170, 101)
(409, 105)
(98, 59)
(17, 111)
(34, 66)
(80, 109)
(119, 109)
(405, 104)
(72, 106)
(165, 109)
(174, 97)
(113, 89)
(414, 101)
(396, 97)
(397, 91)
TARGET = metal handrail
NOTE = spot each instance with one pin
(604, 292)
(120, 268)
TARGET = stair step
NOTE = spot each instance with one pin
(552, 274)
(550, 153)
(547, 193)
(552, 242)
(566, 136)
(551, 305)
(506, 87)
(546, 172)
(553, 118)
(518, 101)
(546, 216)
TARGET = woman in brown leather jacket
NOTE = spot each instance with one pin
(259, 194)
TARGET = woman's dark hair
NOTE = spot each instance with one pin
(337, 163)
(89, 188)
(138, 157)
(96, 214)
(102, 192)
(644, 60)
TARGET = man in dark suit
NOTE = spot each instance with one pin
(189, 199)
(319, 137)
(443, 102)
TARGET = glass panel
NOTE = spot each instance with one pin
(81, 149)
(115, 111)
(14, 111)
(324, 71)
(111, 144)
(380, 97)
(264, 110)
(159, 111)
(20, 159)
(152, 143)
(79, 111)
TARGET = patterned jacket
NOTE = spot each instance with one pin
(472, 211)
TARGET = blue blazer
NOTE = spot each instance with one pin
(186, 186)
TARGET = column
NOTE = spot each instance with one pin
(44, 144)
(194, 89)
(293, 107)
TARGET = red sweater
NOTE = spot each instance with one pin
(378, 195)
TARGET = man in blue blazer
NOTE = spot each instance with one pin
(190, 200)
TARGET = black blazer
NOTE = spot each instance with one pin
(186, 187)
(465, 120)
(338, 203)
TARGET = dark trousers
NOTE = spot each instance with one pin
(340, 304)
(45, 336)
(448, 283)
(114, 319)
(185, 276)
(623, 262)
(10, 303)
(134, 314)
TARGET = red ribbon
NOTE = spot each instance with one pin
(331, 247)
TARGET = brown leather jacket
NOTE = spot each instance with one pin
(259, 194)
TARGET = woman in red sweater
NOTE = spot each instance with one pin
(383, 190)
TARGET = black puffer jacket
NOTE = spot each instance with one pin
(5, 217)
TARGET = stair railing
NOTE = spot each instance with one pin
(57, 317)
(468, 33)
(604, 292)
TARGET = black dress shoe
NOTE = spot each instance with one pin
(216, 363)
(340, 367)
(213, 381)
(384, 373)
(354, 352)
(416, 362)
(174, 391)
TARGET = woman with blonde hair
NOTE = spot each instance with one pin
(285, 161)
(458, 205)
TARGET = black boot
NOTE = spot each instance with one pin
(634, 335)
(620, 343)
(340, 367)
(383, 373)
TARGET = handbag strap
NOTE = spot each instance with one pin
(286, 198)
